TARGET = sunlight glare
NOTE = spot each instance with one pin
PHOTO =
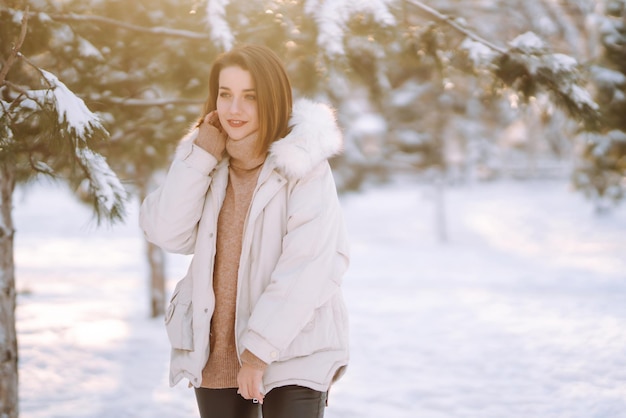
(98, 333)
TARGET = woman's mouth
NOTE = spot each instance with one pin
(236, 123)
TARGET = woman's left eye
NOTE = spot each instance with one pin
(250, 97)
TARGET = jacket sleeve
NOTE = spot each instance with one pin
(169, 216)
(309, 271)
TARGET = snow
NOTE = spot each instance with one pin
(581, 97)
(564, 69)
(369, 124)
(478, 53)
(72, 109)
(408, 93)
(607, 78)
(219, 28)
(88, 50)
(105, 185)
(6, 134)
(603, 142)
(81, 122)
(561, 63)
(528, 43)
(521, 314)
(617, 136)
(17, 16)
(332, 18)
(44, 17)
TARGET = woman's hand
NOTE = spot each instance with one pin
(250, 381)
(211, 136)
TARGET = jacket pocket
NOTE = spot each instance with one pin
(179, 317)
(321, 333)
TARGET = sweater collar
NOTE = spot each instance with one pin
(243, 152)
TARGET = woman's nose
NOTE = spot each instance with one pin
(234, 105)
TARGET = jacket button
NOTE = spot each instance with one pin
(211, 235)
(273, 354)
(206, 310)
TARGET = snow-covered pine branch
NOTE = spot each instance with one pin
(611, 81)
(102, 184)
(332, 18)
(108, 193)
(599, 175)
(71, 109)
(77, 124)
(6, 134)
(528, 65)
(219, 29)
(479, 54)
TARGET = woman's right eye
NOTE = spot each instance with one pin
(224, 95)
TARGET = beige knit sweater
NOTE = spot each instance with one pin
(244, 167)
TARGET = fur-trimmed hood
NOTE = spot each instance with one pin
(314, 137)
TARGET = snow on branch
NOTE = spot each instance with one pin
(77, 124)
(6, 134)
(528, 43)
(102, 184)
(71, 109)
(109, 194)
(529, 66)
(332, 18)
(480, 54)
(219, 28)
(608, 78)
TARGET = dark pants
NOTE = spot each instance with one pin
(282, 402)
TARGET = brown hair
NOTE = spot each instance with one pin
(273, 89)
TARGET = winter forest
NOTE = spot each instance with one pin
(483, 180)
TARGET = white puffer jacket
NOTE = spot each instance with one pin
(290, 311)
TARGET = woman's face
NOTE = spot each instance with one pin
(236, 103)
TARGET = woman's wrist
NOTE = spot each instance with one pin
(210, 137)
(211, 147)
(249, 359)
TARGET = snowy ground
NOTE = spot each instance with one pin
(521, 314)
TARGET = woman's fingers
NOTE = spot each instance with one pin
(250, 381)
(212, 118)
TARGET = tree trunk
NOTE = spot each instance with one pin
(8, 336)
(443, 109)
(440, 207)
(156, 268)
(156, 264)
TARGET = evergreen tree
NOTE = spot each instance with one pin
(602, 172)
(44, 129)
(148, 84)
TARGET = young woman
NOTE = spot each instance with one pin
(258, 324)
